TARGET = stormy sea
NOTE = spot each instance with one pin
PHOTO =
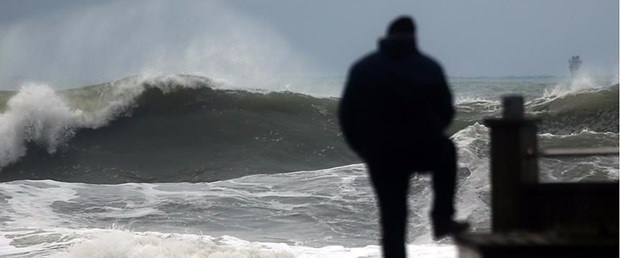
(187, 166)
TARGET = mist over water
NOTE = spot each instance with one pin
(109, 40)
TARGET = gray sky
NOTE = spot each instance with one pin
(67, 43)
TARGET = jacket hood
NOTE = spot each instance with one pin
(398, 45)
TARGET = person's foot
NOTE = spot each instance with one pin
(448, 227)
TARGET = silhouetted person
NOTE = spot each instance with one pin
(573, 64)
(394, 112)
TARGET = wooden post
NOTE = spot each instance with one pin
(513, 164)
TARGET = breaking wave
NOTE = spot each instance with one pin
(183, 128)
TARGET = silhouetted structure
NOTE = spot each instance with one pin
(573, 65)
(538, 220)
(393, 113)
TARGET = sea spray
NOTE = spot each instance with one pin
(35, 114)
(48, 118)
(146, 37)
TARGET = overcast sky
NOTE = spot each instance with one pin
(68, 42)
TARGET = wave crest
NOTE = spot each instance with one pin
(188, 128)
(179, 128)
(35, 114)
(575, 111)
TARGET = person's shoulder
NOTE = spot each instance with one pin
(367, 59)
(430, 62)
(365, 62)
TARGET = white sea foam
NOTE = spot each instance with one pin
(466, 100)
(477, 105)
(112, 243)
(584, 132)
(472, 145)
(578, 84)
(30, 203)
(7, 249)
(283, 215)
(294, 210)
(36, 114)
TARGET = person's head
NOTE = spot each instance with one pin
(403, 26)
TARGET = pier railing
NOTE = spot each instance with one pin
(520, 202)
(539, 220)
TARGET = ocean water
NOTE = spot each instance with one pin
(185, 166)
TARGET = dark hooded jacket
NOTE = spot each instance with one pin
(396, 101)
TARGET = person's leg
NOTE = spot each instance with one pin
(444, 187)
(391, 186)
(444, 181)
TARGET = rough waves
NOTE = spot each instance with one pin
(183, 128)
